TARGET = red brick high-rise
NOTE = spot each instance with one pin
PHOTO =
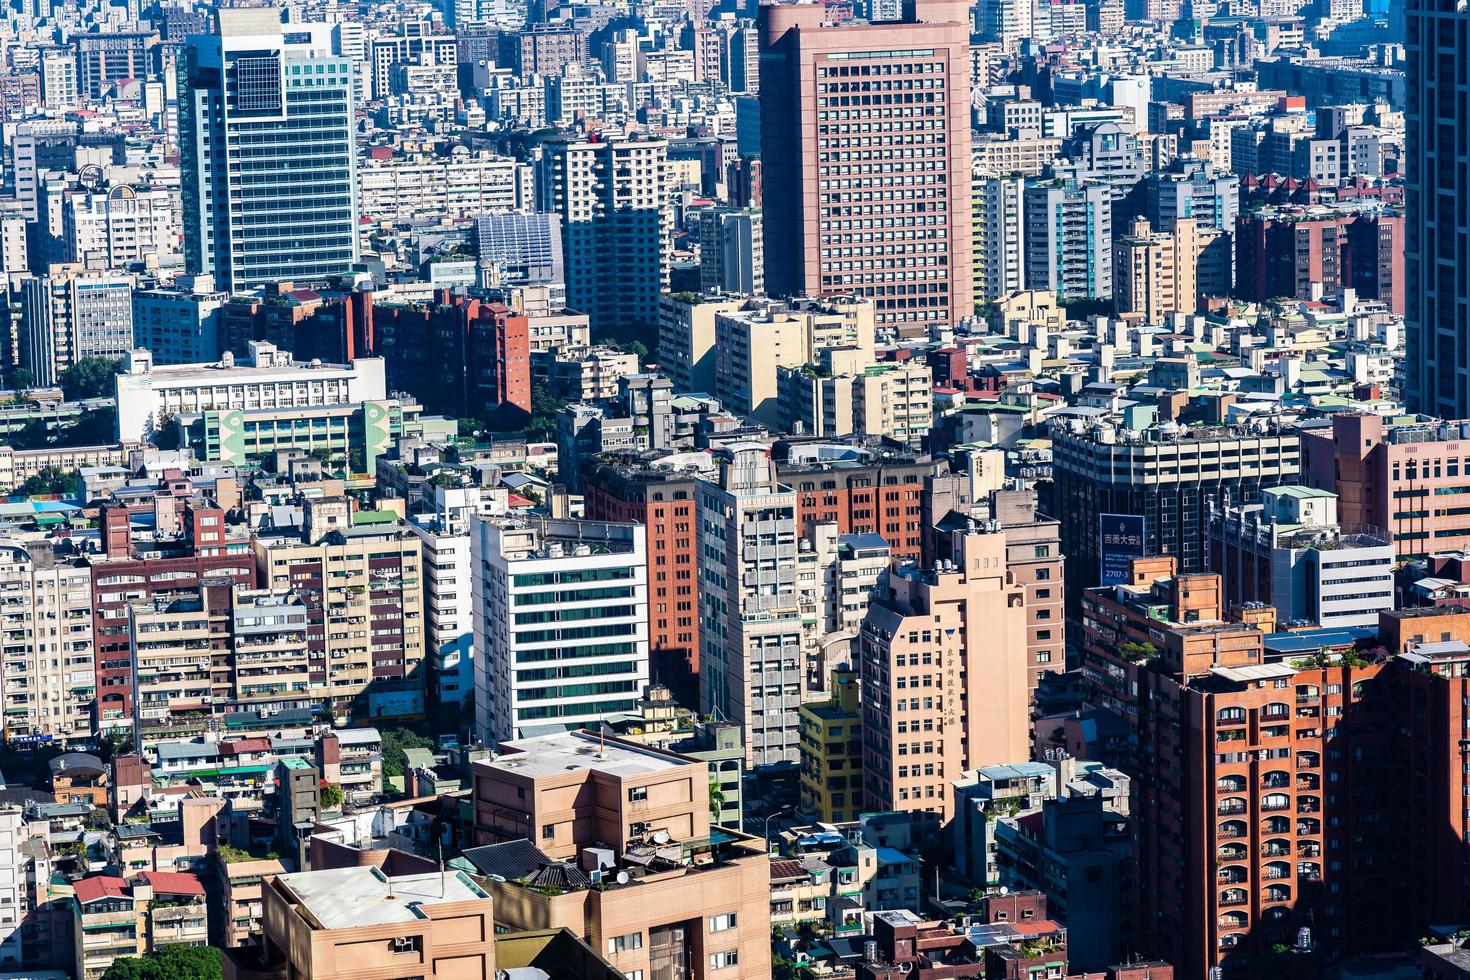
(1286, 251)
(878, 494)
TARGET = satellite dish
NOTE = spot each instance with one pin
(1004, 890)
(622, 877)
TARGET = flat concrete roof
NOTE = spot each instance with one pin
(345, 898)
(553, 755)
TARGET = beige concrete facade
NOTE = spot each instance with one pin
(563, 792)
(945, 676)
(1155, 272)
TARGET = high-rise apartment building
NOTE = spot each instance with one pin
(68, 315)
(732, 256)
(865, 147)
(49, 677)
(179, 323)
(1263, 796)
(364, 592)
(1305, 252)
(1069, 231)
(560, 623)
(1437, 199)
(999, 256)
(612, 197)
(1155, 272)
(686, 338)
(268, 155)
(944, 675)
(751, 667)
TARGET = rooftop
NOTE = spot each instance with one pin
(553, 755)
(346, 898)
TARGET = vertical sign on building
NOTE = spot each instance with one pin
(1120, 539)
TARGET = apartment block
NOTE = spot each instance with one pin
(50, 678)
(1248, 767)
(113, 918)
(751, 667)
(1069, 226)
(363, 586)
(613, 200)
(68, 315)
(832, 751)
(360, 922)
(1306, 252)
(242, 887)
(998, 239)
(944, 674)
(754, 342)
(1290, 552)
(686, 338)
(1156, 272)
(560, 622)
(846, 394)
(463, 184)
(861, 488)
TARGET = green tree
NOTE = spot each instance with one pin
(171, 962)
(50, 480)
(22, 380)
(1137, 653)
(91, 377)
(395, 740)
(331, 797)
(542, 426)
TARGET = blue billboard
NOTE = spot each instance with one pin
(1120, 539)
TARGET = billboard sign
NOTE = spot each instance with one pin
(1120, 539)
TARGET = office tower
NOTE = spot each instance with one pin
(1167, 475)
(1306, 254)
(861, 199)
(661, 500)
(944, 675)
(105, 58)
(179, 323)
(1290, 552)
(732, 252)
(69, 315)
(751, 664)
(1154, 272)
(612, 197)
(1069, 231)
(999, 259)
(364, 592)
(686, 338)
(561, 623)
(269, 159)
(1437, 196)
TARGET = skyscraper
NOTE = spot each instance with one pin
(268, 157)
(865, 145)
(1437, 195)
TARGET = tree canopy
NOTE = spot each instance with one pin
(91, 377)
(172, 962)
(51, 479)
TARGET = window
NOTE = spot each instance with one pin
(621, 944)
(718, 961)
(720, 923)
(548, 831)
(637, 793)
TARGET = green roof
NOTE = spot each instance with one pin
(374, 517)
